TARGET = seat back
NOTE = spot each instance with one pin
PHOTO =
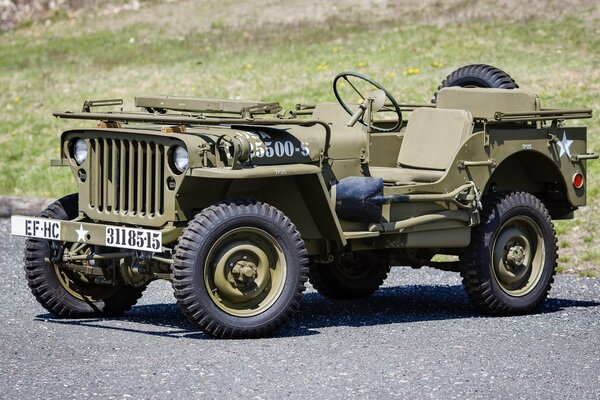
(332, 113)
(432, 137)
(483, 103)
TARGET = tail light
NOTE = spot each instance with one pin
(578, 180)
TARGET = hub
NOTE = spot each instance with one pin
(244, 271)
(515, 256)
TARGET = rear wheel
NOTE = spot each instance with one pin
(349, 279)
(63, 291)
(478, 75)
(239, 270)
(510, 264)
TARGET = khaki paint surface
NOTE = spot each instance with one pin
(483, 103)
(302, 189)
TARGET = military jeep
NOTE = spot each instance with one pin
(239, 203)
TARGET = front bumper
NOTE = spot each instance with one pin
(150, 240)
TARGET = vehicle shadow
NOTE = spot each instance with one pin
(390, 305)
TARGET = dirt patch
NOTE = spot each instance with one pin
(181, 17)
(15, 12)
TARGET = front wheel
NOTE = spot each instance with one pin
(65, 292)
(510, 264)
(239, 269)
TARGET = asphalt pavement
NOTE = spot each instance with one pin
(417, 337)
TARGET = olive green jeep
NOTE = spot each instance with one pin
(239, 203)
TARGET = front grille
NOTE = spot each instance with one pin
(127, 177)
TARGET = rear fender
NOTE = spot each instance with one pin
(529, 160)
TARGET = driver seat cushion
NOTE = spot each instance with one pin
(405, 176)
(431, 140)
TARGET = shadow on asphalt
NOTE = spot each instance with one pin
(389, 305)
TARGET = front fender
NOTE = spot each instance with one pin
(298, 190)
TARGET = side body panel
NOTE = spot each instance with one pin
(539, 161)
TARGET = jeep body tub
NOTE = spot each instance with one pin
(239, 202)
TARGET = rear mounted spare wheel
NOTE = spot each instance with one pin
(478, 75)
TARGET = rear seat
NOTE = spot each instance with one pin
(483, 103)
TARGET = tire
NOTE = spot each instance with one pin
(478, 75)
(348, 280)
(239, 269)
(48, 282)
(510, 265)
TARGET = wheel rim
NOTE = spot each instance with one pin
(245, 271)
(81, 286)
(518, 256)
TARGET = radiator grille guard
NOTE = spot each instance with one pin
(125, 178)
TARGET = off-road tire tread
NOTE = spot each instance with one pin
(476, 284)
(183, 267)
(493, 77)
(64, 209)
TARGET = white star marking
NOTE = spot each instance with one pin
(81, 233)
(565, 145)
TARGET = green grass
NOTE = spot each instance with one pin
(564, 259)
(588, 274)
(57, 68)
(53, 72)
(590, 256)
(563, 244)
(560, 269)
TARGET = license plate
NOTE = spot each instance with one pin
(35, 227)
(132, 238)
(82, 232)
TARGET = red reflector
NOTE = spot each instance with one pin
(578, 180)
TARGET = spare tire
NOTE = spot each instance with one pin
(478, 75)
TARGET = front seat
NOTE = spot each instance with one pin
(432, 138)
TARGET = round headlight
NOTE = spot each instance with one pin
(181, 158)
(80, 151)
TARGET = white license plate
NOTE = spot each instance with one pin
(115, 236)
(131, 238)
(35, 227)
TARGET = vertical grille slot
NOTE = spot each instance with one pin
(159, 168)
(104, 170)
(122, 186)
(112, 175)
(127, 177)
(130, 176)
(140, 178)
(94, 179)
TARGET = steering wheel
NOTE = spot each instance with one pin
(396, 109)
